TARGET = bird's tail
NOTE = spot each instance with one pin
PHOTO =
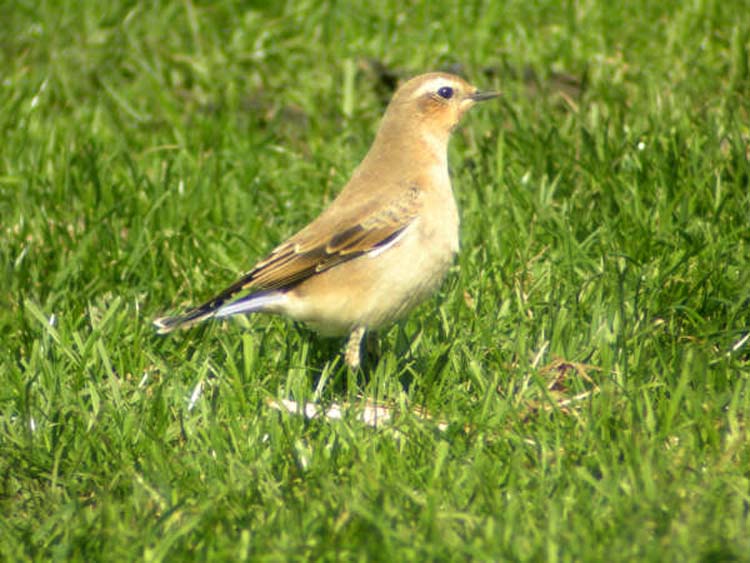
(165, 325)
(218, 307)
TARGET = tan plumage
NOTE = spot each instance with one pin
(383, 245)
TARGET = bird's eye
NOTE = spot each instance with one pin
(445, 92)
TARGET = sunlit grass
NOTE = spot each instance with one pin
(578, 390)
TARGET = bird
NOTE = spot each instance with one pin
(385, 242)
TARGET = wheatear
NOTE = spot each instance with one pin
(383, 245)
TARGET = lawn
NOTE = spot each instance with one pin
(579, 389)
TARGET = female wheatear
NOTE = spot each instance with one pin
(383, 245)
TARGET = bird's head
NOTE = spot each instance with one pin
(434, 101)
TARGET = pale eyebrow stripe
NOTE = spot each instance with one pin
(433, 86)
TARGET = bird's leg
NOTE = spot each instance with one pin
(354, 347)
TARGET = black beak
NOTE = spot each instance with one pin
(482, 96)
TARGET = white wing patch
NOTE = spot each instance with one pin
(380, 249)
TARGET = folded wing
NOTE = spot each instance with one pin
(328, 241)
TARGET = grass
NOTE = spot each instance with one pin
(589, 353)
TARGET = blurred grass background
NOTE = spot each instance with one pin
(589, 353)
